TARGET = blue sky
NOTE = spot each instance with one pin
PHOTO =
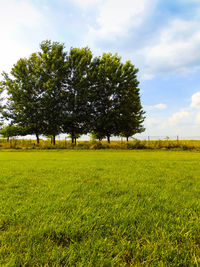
(161, 37)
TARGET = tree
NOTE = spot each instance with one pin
(106, 77)
(52, 75)
(1, 106)
(131, 115)
(24, 106)
(96, 135)
(10, 131)
(77, 106)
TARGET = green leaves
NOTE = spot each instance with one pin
(52, 73)
(130, 108)
(76, 98)
(116, 99)
(11, 131)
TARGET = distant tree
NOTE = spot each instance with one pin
(1, 106)
(77, 108)
(75, 137)
(23, 106)
(106, 77)
(10, 131)
(97, 136)
(131, 114)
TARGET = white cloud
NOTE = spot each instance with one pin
(151, 121)
(147, 76)
(158, 106)
(23, 27)
(176, 50)
(178, 117)
(185, 122)
(197, 119)
(195, 100)
(85, 3)
(116, 17)
(16, 13)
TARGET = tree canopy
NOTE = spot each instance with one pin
(77, 107)
(54, 91)
(23, 106)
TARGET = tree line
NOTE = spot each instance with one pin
(55, 91)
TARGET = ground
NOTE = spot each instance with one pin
(99, 208)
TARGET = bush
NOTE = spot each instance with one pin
(97, 145)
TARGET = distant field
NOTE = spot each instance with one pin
(99, 208)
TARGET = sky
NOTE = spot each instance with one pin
(160, 37)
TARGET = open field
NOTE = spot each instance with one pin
(100, 208)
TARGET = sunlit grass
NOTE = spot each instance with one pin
(99, 208)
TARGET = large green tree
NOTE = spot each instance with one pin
(23, 106)
(106, 78)
(77, 84)
(130, 112)
(52, 79)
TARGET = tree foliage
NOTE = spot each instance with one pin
(52, 75)
(106, 81)
(24, 107)
(1, 105)
(131, 115)
(77, 107)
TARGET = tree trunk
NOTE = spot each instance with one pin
(127, 139)
(54, 139)
(8, 139)
(72, 139)
(75, 141)
(108, 138)
(38, 139)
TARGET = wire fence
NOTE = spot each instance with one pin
(171, 138)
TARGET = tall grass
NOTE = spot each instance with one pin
(135, 144)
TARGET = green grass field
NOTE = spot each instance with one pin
(99, 208)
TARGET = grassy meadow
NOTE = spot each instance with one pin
(99, 208)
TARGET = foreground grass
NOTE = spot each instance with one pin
(105, 208)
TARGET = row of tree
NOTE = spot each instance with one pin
(54, 92)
